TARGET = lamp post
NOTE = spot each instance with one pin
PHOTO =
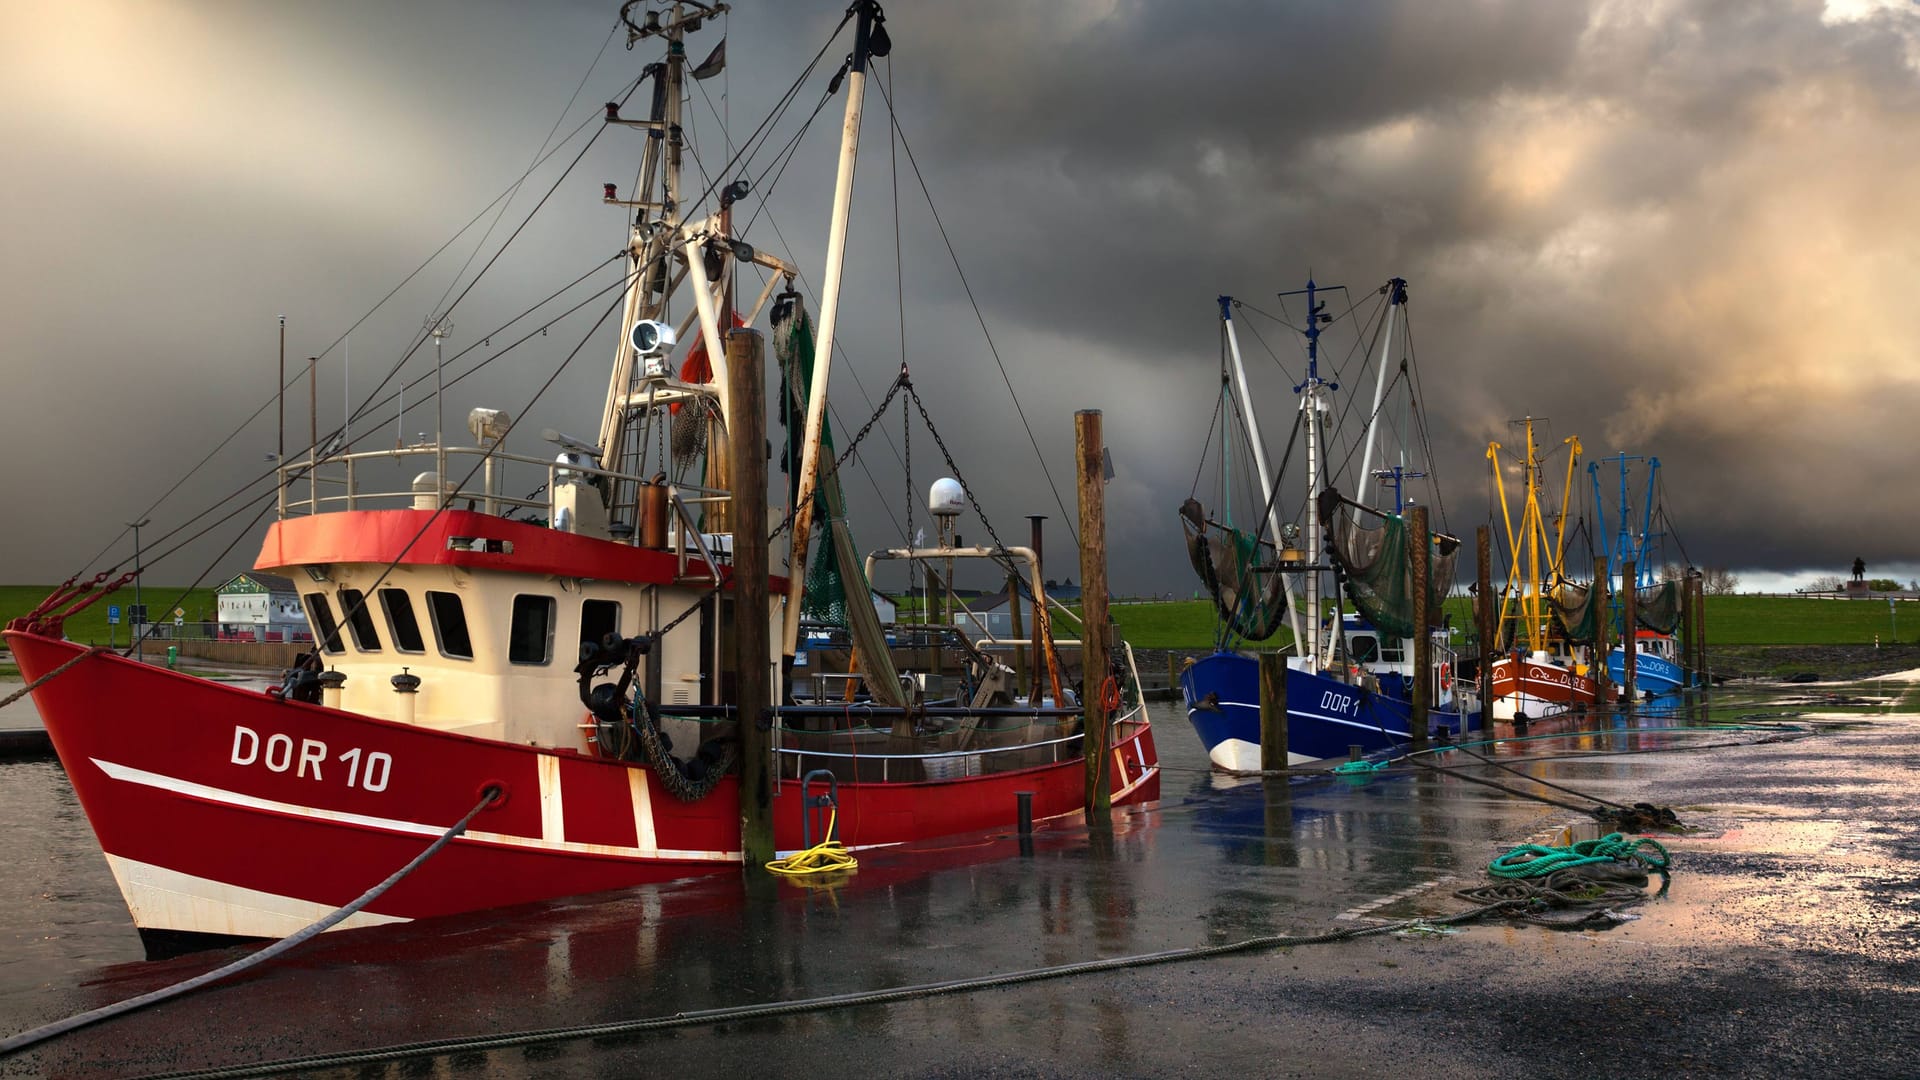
(139, 653)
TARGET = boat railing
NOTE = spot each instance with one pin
(336, 482)
(931, 763)
(309, 487)
(947, 763)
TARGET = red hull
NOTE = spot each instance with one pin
(261, 801)
(1542, 689)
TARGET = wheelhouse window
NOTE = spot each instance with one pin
(353, 608)
(598, 618)
(400, 621)
(324, 628)
(450, 625)
(530, 637)
(1393, 651)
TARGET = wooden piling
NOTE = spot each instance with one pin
(1488, 623)
(1419, 548)
(1016, 631)
(1093, 611)
(1273, 712)
(1700, 631)
(752, 633)
(1043, 642)
(1688, 628)
(1603, 628)
(1629, 638)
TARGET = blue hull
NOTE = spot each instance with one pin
(1651, 674)
(1324, 716)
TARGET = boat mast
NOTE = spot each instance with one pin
(1311, 400)
(1396, 290)
(648, 286)
(1267, 479)
(869, 40)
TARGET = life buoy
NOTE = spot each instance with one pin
(1446, 673)
(696, 368)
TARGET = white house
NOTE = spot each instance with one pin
(264, 606)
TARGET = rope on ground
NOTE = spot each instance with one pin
(61, 1027)
(825, 857)
(1580, 885)
(734, 1014)
(1574, 898)
(49, 677)
(1539, 860)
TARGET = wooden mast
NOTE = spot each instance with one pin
(867, 12)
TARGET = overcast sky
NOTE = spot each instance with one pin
(1675, 229)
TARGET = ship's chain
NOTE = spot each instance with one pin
(879, 411)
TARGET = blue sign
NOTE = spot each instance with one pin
(113, 614)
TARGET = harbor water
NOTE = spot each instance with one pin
(1785, 943)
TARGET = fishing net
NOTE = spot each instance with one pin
(1657, 607)
(836, 591)
(1228, 567)
(1373, 560)
(1574, 609)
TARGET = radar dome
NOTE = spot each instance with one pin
(947, 498)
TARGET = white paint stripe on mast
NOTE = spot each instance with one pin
(829, 315)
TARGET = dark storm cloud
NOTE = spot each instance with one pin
(1675, 228)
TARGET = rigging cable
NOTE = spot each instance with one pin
(914, 163)
(271, 398)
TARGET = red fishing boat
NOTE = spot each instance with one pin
(1538, 672)
(567, 658)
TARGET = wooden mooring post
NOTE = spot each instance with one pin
(1602, 630)
(1629, 639)
(1273, 712)
(1486, 619)
(752, 655)
(1419, 567)
(1688, 629)
(1700, 632)
(1093, 612)
(1018, 631)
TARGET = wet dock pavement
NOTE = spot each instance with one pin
(1784, 946)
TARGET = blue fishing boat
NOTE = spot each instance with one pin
(1656, 603)
(1349, 673)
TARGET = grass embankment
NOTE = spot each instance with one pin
(1731, 621)
(91, 625)
(1188, 624)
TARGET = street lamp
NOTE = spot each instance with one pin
(139, 653)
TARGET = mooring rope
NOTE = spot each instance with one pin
(61, 1027)
(49, 676)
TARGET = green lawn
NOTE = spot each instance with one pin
(91, 625)
(1797, 620)
(1731, 620)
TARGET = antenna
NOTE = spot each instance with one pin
(438, 327)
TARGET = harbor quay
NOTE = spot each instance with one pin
(1780, 943)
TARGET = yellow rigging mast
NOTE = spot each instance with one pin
(1523, 600)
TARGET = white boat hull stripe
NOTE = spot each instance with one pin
(130, 775)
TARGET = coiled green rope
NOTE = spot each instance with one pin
(1537, 860)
